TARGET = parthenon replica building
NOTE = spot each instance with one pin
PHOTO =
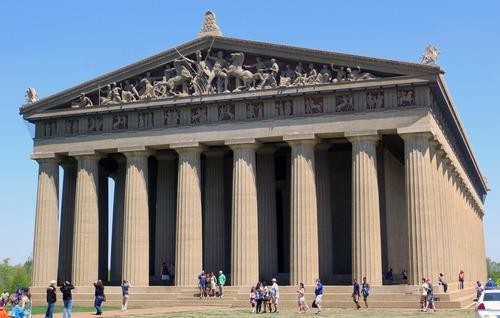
(258, 159)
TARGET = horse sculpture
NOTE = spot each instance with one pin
(243, 77)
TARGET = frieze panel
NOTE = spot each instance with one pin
(344, 102)
(71, 126)
(172, 117)
(120, 122)
(283, 108)
(406, 97)
(145, 119)
(198, 115)
(314, 105)
(374, 99)
(225, 112)
(95, 124)
(255, 110)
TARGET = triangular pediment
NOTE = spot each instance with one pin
(220, 65)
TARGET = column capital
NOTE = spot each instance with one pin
(362, 138)
(137, 153)
(184, 147)
(301, 139)
(54, 160)
(242, 143)
(409, 136)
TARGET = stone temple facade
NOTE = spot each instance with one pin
(260, 160)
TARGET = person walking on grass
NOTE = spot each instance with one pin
(267, 298)
(67, 299)
(318, 292)
(100, 297)
(25, 303)
(430, 296)
(222, 281)
(125, 293)
(51, 299)
(365, 290)
(253, 301)
(355, 294)
(275, 295)
(302, 299)
(258, 297)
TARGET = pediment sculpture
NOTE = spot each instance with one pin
(207, 73)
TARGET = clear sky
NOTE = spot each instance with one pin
(52, 45)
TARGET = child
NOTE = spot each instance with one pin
(17, 311)
(252, 299)
(3, 313)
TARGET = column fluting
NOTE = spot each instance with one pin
(304, 265)
(244, 234)
(67, 222)
(135, 260)
(117, 227)
(188, 248)
(366, 249)
(46, 223)
(86, 226)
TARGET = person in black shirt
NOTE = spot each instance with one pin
(51, 299)
(67, 299)
(99, 296)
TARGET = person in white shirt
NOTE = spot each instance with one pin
(275, 294)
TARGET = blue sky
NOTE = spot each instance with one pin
(53, 45)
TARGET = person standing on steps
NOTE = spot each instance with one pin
(365, 289)
(165, 274)
(318, 291)
(125, 293)
(51, 299)
(99, 296)
(202, 282)
(67, 299)
(221, 280)
(355, 293)
(423, 294)
(275, 294)
(461, 279)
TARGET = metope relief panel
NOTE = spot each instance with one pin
(374, 100)
(145, 120)
(314, 105)
(120, 122)
(406, 97)
(225, 112)
(95, 124)
(344, 102)
(255, 110)
(198, 115)
(283, 108)
(172, 117)
(49, 128)
(71, 126)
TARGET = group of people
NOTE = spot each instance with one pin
(208, 283)
(20, 302)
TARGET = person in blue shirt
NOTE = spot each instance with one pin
(318, 291)
(491, 284)
(355, 293)
(17, 311)
(365, 289)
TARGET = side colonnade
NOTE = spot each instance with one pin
(445, 230)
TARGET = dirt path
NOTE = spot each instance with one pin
(143, 311)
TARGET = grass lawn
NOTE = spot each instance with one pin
(370, 313)
(37, 310)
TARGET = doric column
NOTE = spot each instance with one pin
(436, 219)
(166, 205)
(188, 248)
(323, 197)
(215, 246)
(419, 205)
(86, 235)
(445, 216)
(366, 245)
(67, 222)
(117, 230)
(135, 259)
(46, 223)
(304, 267)
(244, 234)
(266, 200)
(103, 223)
